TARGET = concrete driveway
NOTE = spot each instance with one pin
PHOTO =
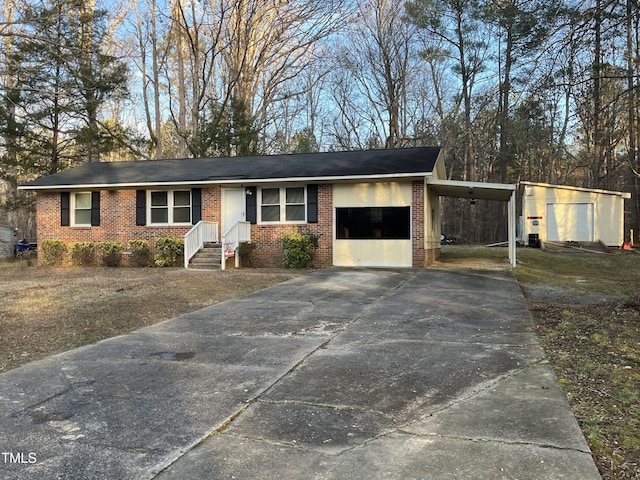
(339, 374)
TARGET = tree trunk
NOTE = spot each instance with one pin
(155, 67)
(86, 10)
(152, 93)
(632, 117)
(598, 160)
(178, 37)
(10, 84)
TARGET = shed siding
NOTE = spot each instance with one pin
(607, 217)
(570, 221)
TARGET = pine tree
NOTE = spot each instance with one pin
(65, 81)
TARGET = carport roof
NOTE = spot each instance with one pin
(504, 192)
(476, 190)
(326, 166)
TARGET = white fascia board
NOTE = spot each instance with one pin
(234, 181)
(626, 195)
(463, 183)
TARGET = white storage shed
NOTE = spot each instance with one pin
(560, 213)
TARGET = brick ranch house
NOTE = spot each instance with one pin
(367, 208)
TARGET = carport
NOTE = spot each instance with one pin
(502, 192)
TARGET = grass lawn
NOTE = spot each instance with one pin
(586, 310)
(47, 310)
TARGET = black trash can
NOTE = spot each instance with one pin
(534, 240)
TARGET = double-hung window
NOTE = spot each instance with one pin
(283, 205)
(81, 209)
(170, 207)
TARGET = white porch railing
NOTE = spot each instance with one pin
(231, 240)
(195, 238)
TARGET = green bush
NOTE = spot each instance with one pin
(298, 250)
(140, 253)
(52, 252)
(168, 251)
(83, 254)
(110, 253)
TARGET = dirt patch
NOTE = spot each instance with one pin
(472, 263)
(556, 294)
(44, 311)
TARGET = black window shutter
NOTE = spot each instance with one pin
(196, 205)
(64, 209)
(252, 205)
(312, 203)
(141, 207)
(95, 209)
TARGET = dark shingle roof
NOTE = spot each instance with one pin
(328, 165)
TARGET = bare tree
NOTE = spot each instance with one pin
(225, 58)
(301, 114)
(195, 46)
(457, 25)
(267, 44)
(150, 62)
(350, 127)
(381, 56)
(632, 54)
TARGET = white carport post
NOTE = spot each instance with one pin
(511, 214)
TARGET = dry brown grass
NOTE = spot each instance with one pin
(45, 310)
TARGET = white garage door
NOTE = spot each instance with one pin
(570, 222)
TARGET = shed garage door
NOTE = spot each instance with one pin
(570, 222)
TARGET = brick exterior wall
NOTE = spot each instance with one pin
(417, 224)
(118, 223)
(432, 255)
(267, 239)
(117, 220)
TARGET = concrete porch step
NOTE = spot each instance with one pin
(209, 253)
(208, 257)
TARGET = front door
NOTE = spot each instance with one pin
(233, 207)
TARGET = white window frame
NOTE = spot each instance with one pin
(283, 205)
(170, 206)
(73, 209)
